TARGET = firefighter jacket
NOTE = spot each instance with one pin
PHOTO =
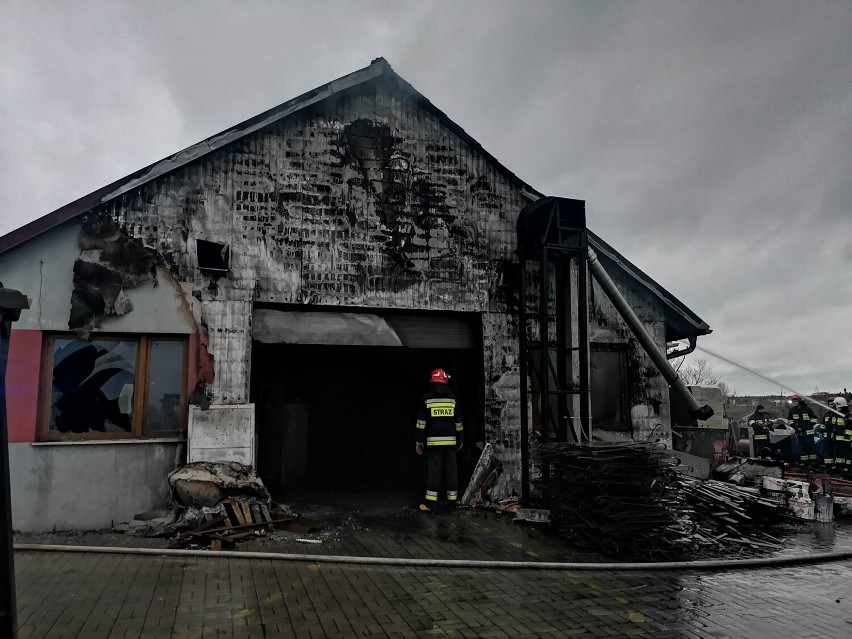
(802, 418)
(438, 418)
(759, 422)
(836, 425)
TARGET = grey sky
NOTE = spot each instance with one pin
(712, 140)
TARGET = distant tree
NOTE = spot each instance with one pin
(698, 372)
(727, 391)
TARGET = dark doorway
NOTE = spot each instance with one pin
(341, 418)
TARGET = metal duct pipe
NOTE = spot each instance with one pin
(645, 339)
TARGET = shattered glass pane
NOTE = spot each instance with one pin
(93, 386)
(164, 390)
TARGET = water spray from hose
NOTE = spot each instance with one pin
(769, 379)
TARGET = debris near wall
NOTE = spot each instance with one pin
(214, 505)
(484, 476)
(202, 484)
(231, 520)
(628, 500)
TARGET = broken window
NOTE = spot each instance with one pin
(114, 387)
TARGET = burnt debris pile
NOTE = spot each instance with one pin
(628, 499)
(736, 519)
(213, 505)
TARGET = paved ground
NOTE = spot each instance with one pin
(394, 528)
(95, 596)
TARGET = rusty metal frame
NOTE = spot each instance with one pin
(140, 392)
(552, 232)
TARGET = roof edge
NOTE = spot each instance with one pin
(672, 302)
(377, 68)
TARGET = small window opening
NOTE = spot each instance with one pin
(213, 256)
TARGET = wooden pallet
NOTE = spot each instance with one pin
(236, 519)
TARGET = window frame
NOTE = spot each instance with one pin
(142, 383)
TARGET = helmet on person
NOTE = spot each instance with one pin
(759, 407)
(840, 402)
(439, 376)
(796, 398)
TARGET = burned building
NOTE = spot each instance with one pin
(277, 294)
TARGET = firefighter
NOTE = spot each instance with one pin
(803, 421)
(828, 435)
(440, 434)
(841, 427)
(760, 425)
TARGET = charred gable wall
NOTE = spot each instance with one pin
(367, 200)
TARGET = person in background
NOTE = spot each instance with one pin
(803, 419)
(837, 426)
(760, 425)
(439, 434)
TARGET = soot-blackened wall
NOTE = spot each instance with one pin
(368, 200)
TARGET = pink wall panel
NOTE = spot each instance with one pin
(22, 380)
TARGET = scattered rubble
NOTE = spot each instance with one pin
(628, 499)
(215, 505)
(203, 484)
(483, 477)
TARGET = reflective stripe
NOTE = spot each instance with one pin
(459, 427)
(441, 400)
(431, 496)
(451, 497)
(421, 424)
(449, 442)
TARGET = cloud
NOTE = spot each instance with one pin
(709, 139)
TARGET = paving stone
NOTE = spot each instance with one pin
(94, 596)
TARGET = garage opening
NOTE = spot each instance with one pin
(337, 394)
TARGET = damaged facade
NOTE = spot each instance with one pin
(314, 263)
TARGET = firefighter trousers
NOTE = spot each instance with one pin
(441, 464)
(807, 448)
(828, 449)
(842, 446)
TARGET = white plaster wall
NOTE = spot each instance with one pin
(43, 269)
(85, 486)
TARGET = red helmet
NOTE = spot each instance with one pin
(439, 376)
(795, 398)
